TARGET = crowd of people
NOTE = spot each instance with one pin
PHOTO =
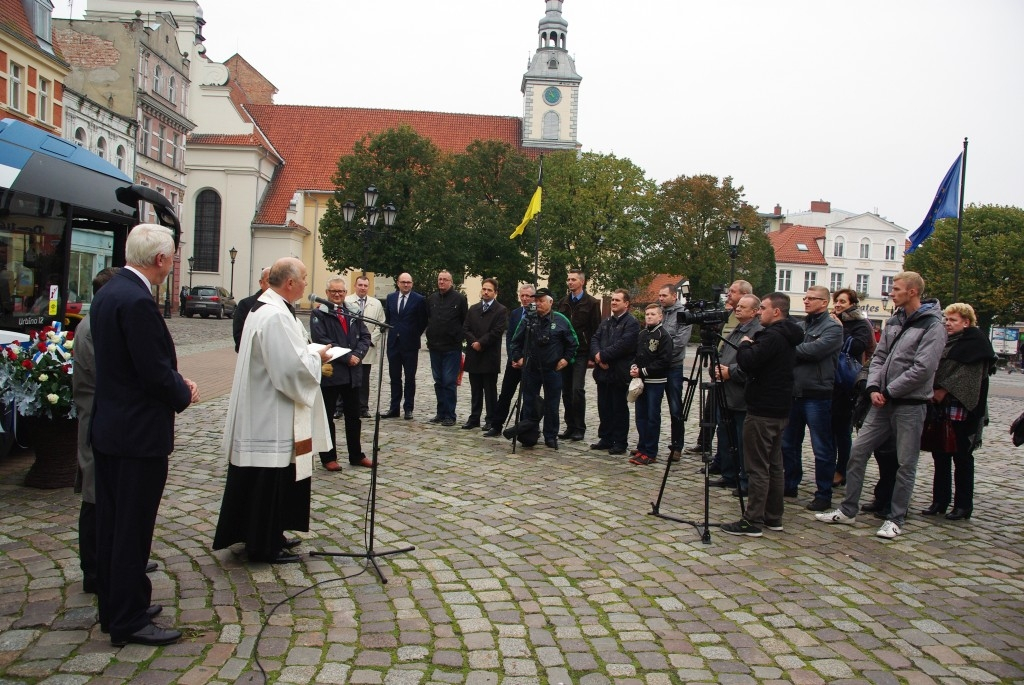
(926, 380)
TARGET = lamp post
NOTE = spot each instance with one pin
(885, 303)
(372, 216)
(735, 234)
(234, 253)
(191, 267)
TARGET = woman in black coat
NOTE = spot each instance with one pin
(961, 396)
(861, 337)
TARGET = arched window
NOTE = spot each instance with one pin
(80, 137)
(550, 126)
(207, 233)
(101, 147)
(121, 153)
(838, 247)
(865, 248)
(890, 251)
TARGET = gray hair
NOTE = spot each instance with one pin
(145, 242)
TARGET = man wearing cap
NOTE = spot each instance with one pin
(543, 346)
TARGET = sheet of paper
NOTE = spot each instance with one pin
(333, 353)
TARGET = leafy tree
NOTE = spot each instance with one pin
(596, 211)
(490, 184)
(690, 228)
(403, 165)
(991, 254)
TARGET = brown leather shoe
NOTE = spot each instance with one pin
(332, 466)
(365, 461)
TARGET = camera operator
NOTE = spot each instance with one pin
(543, 346)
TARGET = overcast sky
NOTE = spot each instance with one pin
(863, 103)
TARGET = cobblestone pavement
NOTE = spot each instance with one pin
(538, 567)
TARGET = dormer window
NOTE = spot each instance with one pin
(552, 64)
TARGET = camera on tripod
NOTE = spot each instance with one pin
(702, 311)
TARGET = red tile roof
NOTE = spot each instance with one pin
(14, 22)
(785, 242)
(312, 139)
(649, 288)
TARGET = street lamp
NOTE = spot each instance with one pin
(734, 233)
(234, 253)
(191, 267)
(372, 216)
(885, 302)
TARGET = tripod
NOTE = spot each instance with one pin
(370, 554)
(711, 395)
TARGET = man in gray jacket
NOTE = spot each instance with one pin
(734, 381)
(670, 308)
(813, 378)
(900, 380)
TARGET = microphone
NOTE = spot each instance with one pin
(313, 299)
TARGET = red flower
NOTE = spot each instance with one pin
(66, 368)
(27, 364)
(41, 347)
(11, 354)
(70, 335)
(32, 335)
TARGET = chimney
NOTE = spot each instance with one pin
(821, 206)
(778, 209)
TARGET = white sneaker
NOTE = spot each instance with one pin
(835, 516)
(889, 530)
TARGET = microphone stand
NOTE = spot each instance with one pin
(371, 554)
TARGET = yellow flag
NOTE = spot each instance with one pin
(532, 210)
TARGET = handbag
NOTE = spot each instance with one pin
(847, 368)
(636, 388)
(938, 434)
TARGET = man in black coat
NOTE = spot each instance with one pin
(406, 313)
(339, 329)
(245, 306)
(485, 322)
(446, 313)
(138, 392)
(512, 376)
(612, 350)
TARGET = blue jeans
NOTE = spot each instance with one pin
(648, 418)
(815, 414)
(551, 380)
(674, 390)
(444, 366)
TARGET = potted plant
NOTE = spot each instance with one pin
(35, 378)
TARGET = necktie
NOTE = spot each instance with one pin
(487, 305)
(362, 305)
(401, 304)
(344, 322)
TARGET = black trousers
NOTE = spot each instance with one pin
(483, 393)
(87, 545)
(128, 493)
(613, 413)
(353, 424)
(400, 361)
(364, 389)
(574, 396)
(509, 385)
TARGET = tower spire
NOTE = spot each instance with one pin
(551, 86)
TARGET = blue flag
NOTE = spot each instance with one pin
(946, 205)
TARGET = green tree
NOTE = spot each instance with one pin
(992, 251)
(690, 228)
(404, 167)
(490, 184)
(596, 211)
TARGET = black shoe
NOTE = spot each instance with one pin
(696, 449)
(933, 510)
(364, 414)
(486, 427)
(338, 415)
(408, 416)
(493, 432)
(150, 635)
(436, 419)
(567, 434)
(819, 504)
(291, 543)
(154, 610)
(600, 445)
(447, 422)
(742, 527)
(958, 514)
(469, 425)
(576, 437)
(773, 524)
(616, 450)
(790, 492)
(871, 507)
(739, 492)
(393, 414)
(552, 443)
(284, 557)
(721, 483)
(715, 469)
(151, 566)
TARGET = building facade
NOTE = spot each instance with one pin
(32, 68)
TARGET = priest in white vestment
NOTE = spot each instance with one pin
(276, 421)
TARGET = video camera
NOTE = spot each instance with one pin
(702, 311)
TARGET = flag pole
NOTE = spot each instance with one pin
(959, 226)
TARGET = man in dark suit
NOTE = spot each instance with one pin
(339, 329)
(485, 322)
(245, 306)
(510, 381)
(138, 391)
(406, 313)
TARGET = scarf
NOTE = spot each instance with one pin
(966, 361)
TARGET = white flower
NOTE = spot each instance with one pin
(43, 378)
(52, 398)
(51, 348)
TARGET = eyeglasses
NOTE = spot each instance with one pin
(824, 299)
(336, 292)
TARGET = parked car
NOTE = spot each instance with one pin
(205, 300)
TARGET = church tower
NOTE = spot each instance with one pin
(551, 87)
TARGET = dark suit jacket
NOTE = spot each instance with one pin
(241, 312)
(325, 328)
(485, 329)
(138, 387)
(407, 328)
(514, 319)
